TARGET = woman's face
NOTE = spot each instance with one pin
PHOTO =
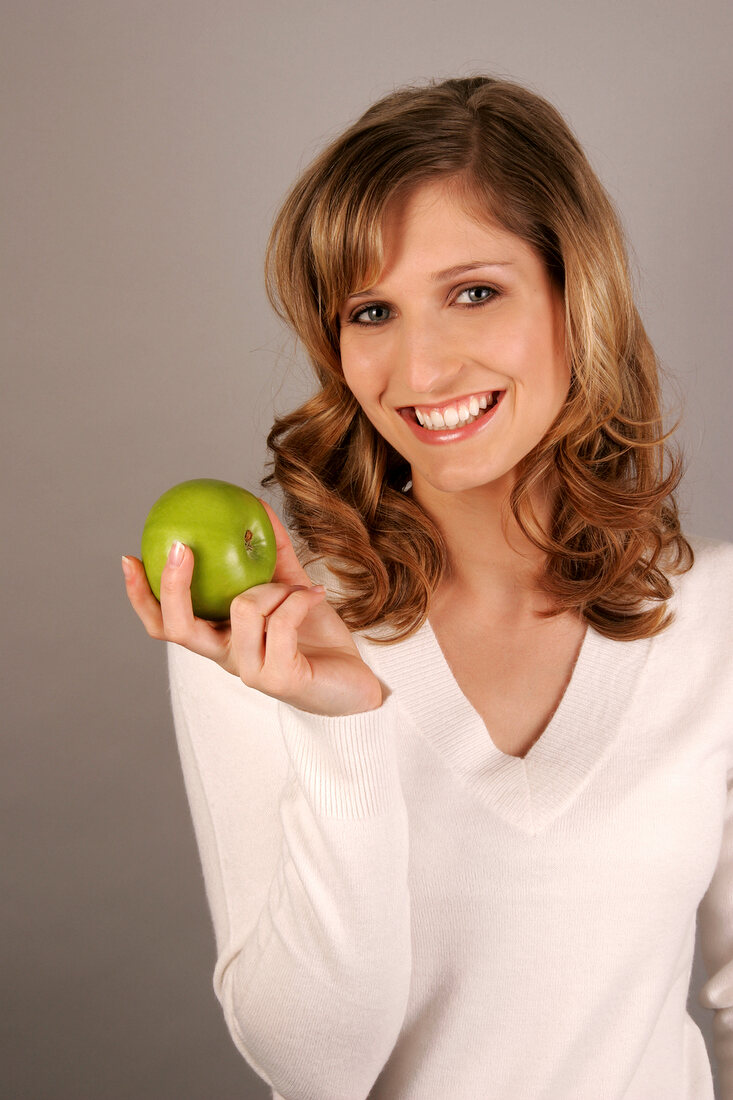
(464, 325)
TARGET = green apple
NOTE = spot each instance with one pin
(229, 532)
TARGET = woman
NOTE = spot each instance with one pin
(457, 818)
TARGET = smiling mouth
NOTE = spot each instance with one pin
(457, 415)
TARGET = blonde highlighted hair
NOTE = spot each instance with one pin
(614, 538)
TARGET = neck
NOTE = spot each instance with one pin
(491, 561)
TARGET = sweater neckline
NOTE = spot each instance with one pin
(528, 792)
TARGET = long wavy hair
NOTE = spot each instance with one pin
(614, 539)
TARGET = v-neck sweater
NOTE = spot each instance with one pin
(404, 912)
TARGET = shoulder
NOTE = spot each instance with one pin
(713, 561)
(187, 669)
(705, 592)
(204, 691)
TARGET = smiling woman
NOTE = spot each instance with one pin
(435, 351)
(461, 810)
(471, 187)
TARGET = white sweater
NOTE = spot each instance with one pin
(404, 912)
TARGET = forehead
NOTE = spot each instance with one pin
(436, 222)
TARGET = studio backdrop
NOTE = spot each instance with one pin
(146, 147)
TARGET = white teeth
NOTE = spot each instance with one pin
(447, 423)
(451, 416)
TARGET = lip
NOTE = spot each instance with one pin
(451, 435)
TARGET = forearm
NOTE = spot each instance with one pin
(314, 942)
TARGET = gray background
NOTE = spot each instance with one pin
(146, 147)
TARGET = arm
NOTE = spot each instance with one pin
(715, 924)
(302, 833)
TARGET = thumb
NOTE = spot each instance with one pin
(287, 568)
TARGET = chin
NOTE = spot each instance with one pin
(466, 481)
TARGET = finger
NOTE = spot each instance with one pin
(139, 593)
(179, 621)
(287, 567)
(251, 617)
(175, 596)
(281, 644)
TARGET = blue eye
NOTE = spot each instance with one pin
(370, 311)
(485, 292)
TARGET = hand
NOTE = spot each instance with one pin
(283, 638)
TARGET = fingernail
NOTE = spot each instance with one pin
(175, 554)
(126, 567)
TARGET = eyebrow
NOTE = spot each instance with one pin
(441, 276)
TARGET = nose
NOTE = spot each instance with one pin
(424, 358)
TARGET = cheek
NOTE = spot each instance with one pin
(354, 382)
(547, 361)
(350, 371)
(363, 377)
(563, 374)
(554, 390)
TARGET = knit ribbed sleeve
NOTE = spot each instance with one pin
(302, 832)
(346, 767)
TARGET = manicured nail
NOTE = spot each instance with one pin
(126, 567)
(175, 554)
